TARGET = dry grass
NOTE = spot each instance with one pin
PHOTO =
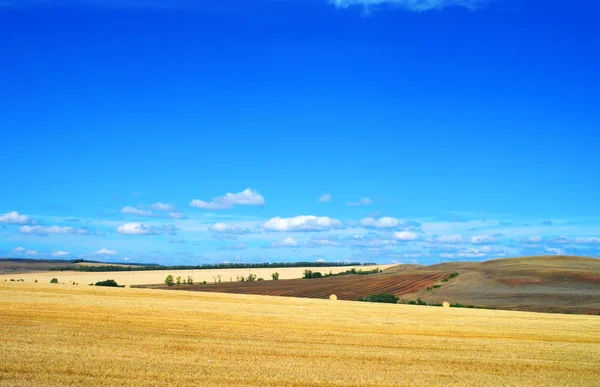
(59, 335)
(158, 276)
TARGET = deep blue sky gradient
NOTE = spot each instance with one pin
(494, 111)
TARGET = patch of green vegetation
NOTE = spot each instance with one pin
(453, 275)
(54, 281)
(434, 287)
(354, 271)
(109, 283)
(382, 298)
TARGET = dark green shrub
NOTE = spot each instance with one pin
(383, 298)
(169, 280)
(109, 283)
(54, 281)
(275, 276)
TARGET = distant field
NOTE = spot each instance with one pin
(549, 284)
(346, 287)
(68, 335)
(158, 276)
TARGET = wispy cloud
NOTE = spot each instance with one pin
(136, 228)
(411, 5)
(41, 230)
(325, 198)
(361, 202)
(247, 197)
(135, 211)
(302, 223)
(14, 218)
(287, 242)
(105, 252)
(225, 228)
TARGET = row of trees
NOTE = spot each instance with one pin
(205, 266)
(170, 280)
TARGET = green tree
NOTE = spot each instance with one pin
(178, 280)
(190, 281)
(54, 281)
(169, 280)
(275, 276)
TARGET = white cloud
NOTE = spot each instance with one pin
(362, 202)
(225, 228)
(412, 5)
(302, 223)
(59, 253)
(535, 239)
(246, 198)
(105, 252)
(482, 239)
(135, 228)
(287, 242)
(40, 230)
(24, 251)
(405, 236)
(325, 198)
(320, 260)
(135, 211)
(385, 222)
(176, 215)
(165, 207)
(14, 218)
(456, 238)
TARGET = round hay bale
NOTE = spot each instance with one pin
(446, 304)
(333, 297)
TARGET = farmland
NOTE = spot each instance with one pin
(347, 287)
(158, 276)
(71, 335)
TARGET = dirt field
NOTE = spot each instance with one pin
(550, 284)
(59, 335)
(346, 287)
(158, 276)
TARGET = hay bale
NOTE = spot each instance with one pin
(446, 304)
(333, 297)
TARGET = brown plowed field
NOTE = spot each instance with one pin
(346, 287)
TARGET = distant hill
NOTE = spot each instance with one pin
(562, 284)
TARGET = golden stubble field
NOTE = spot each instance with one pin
(152, 277)
(60, 335)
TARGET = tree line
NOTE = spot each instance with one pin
(103, 268)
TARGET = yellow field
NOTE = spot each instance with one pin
(158, 276)
(56, 335)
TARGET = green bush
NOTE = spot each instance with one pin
(308, 274)
(383, 298)
(260, 279)
(190, 281)
(169, 280)
(110, 283)
(275, 276)
(54, 281)
(251, 278)
(453, 275)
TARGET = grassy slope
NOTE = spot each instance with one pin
(65, 335)
(554, 284)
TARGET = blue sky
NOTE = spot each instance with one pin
(370, 130)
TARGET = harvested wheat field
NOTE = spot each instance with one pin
(60, 335)
(158, 276)
(347, 287)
